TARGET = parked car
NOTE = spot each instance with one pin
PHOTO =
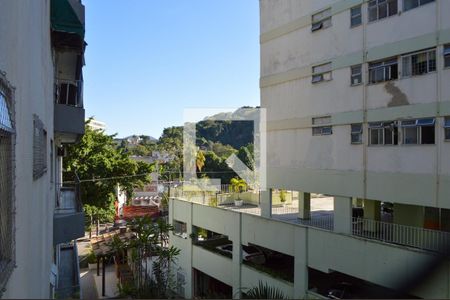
(249, 253)
(343, 290)
(387, 207)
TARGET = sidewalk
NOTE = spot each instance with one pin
(111, 282)
(88, 290)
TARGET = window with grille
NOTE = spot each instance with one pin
(356, 75)
(383, 70)
(419, 63)
(380, 9)
(321, 127)
(447, 55)
(355, 16)
(356, 133)
(321, 73)
(39, 148)
(447, 128)
(418, 132)
(410, 4)
(6, 182)
(321, 20)
(383, 133)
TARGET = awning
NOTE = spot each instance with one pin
(65, 19)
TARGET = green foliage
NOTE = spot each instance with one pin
(264, 291)
(283, 196)
(91, 258)
(100, 165)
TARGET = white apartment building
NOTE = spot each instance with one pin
(41, 56)
(358, 108)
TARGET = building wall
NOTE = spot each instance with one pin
(297, 160)
(25, 56)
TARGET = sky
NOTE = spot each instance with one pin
(148, 60)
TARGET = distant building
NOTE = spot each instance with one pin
(97, 125)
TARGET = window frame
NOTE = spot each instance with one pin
(354, 131)
(377, 6)
(320, 76)
(409, 58)
(419, 4)
(446, 55)
(447, 129)
(353, 75)
(418, 125)
(8, 259)
(322, 126)
(356, 16)
(324, 20)
(183, 229)
(381, 128)
(39, 148)
(383, 64)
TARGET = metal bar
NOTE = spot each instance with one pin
(103, 276)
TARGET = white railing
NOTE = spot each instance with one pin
(323, 221)
(422, 238)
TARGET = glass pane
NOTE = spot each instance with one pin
(408, 123)
(410, 135)
(432, 61)
(392, 7)
(447, 133)
(447, 50)
(373, 14)
(410, 4)
(374, 136)
(423, 2)
(375, 125)
(447, 61)
(322, 68)
(382, 11)
(356, 138)
(326, 23)
(427, 135)
(326, 130)
(425, 122)
(388, 136)
(355, 11)
(406, 66)
(356, 69)
(5, 116)
(447, 122)
(356, 128)
(317, 131)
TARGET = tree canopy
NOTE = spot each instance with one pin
(100, 166)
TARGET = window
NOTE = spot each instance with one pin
(380, 9)
(321, 73)
(410, 4)
(356, 75)
(418, 131)
(356, 133)
(447, 55)
(6, 181)
(383, 133)
(321, 20)
(39, 148)
(419, 63)
(319, 129)
(383, 70)
(179, 229)
(447, 128)
(355, 16)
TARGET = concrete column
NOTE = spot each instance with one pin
(237, 255)
(300, 263)
(304, 206)
(343, 214)
(265, 202)
(372, 209)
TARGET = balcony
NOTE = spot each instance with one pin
(69, 111)
(68, 219)
(68, 23)
(68, 283)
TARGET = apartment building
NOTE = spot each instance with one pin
(41, 56)
(358, 108)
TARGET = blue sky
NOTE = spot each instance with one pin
(147, 60)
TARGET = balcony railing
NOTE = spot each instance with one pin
(416, 237)
(70, 92)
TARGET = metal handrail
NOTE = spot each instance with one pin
(416, 237)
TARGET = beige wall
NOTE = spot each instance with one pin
(25, 56)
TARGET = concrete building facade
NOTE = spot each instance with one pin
(33, 223)
(358, 108)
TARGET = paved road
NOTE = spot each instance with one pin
(88, 290)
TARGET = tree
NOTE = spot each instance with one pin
(264, 291)
(100, 166)
(200, 161)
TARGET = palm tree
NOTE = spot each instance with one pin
(264, 291)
